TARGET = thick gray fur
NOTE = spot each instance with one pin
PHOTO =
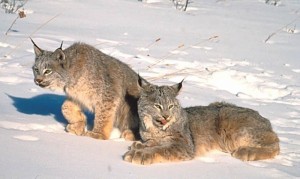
(194, 131)
(91, 80)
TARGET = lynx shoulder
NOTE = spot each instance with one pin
(171, 133)
(91, 80)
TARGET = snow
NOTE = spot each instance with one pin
(217, 46)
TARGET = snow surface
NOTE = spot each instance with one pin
(245, 52)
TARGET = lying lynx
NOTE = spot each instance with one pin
(171, 133)
(164, 127)
(94, 81)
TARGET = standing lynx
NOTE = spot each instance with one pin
(171, 133)
(91, 80)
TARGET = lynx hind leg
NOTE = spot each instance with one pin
(128, 135)
(158, 154)
(262, 145)
(105, 114)
(75, 117)
(101, 130)
(252, 153)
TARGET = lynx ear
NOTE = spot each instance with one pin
(60, 56)
(177, 87)
(142, 83)
(37, 50)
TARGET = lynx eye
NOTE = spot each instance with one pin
(35, 69)
(171, 106)
(47, 72)
(158, 106)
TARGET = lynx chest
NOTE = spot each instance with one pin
(85, 97)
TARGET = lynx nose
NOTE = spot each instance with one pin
(166, 116)
(38, 81)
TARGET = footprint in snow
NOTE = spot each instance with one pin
(296, 70)
(6, 45)
(26, 138)
(52, 128)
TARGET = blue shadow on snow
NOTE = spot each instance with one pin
(45, 105)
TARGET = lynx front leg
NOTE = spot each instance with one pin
(137, 145)
(158, 154)
(142, 157)
(75, 117)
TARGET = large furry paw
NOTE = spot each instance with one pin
(95, 135)
(141, 157)
(156, 154)
(137, 145)
(76, 128)
(244, 154)
(253, 153)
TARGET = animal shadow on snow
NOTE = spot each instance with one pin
(45, 105)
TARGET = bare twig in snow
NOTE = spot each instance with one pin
(41, 26)
(277, 31)
(181, 48)
(153, 43)
(21, 14)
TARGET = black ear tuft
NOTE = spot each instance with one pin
(142, 83)
(37, 50)
(177, 87)
(180, 85)
(62, 42)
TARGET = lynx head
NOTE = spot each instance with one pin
(158, 106)
(49, 68)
